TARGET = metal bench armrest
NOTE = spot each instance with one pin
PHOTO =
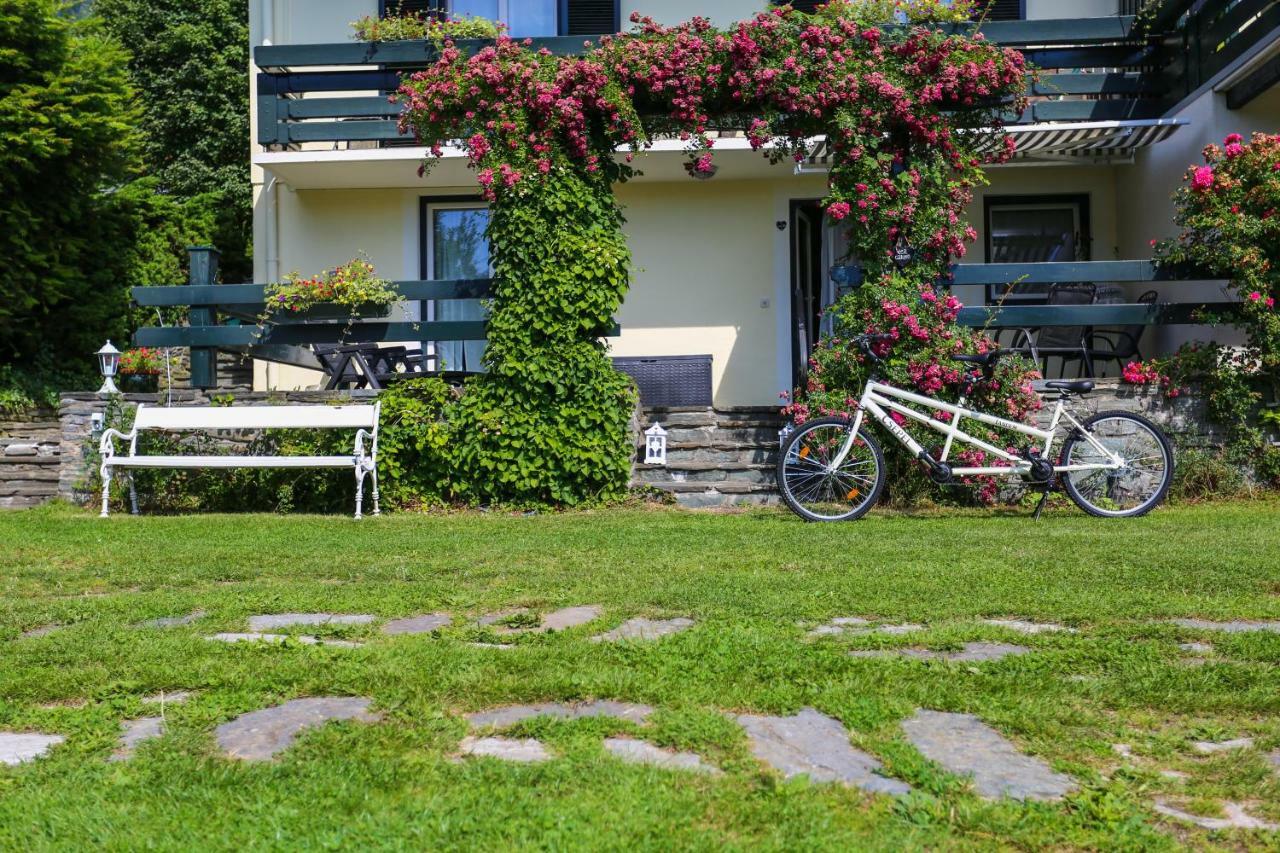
(107, 448)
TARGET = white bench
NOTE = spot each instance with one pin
(363, 419)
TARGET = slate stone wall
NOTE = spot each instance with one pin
(30, 457)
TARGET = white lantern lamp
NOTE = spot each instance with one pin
(108, 363)
(655, 445)
(784, 434)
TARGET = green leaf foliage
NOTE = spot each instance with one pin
(65, 143)
(549, 422)
(189, 62)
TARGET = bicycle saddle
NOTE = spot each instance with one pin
(1071, 386)
(986, 361)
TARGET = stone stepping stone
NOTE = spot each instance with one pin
(815, 745)
(1025, 627)
(1236, 817)
(1274, 758)
(19, 747)
(571, 617)
(1209, 747)
(557, 620)
(644, 629)
(856, 626)
(501, 646)
(41, 631)
(512, 714)
(966, 746)
(642, 752)
(1198, 648)
(1239, 626)
(136, 732)
(273, 621)
(527, 751)
(971, 653)
(177, 697)
(424, 624)
(281, 639)
(173, 621)
(260, 735)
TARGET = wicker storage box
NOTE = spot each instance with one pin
(670, 380)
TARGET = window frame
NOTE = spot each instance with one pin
(426, 260)
(1077, 202)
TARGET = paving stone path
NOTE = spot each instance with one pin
(1239, 626)
(19, 747)
(280, 639)
(966, 746)
(273, 621)
(971, 653)
(817, 746)
(512, 714)
(643, 752)
(1024, 627)
(1274, 758)
(1209, 747)
(173, 621)
(260, 735)
(424, 624)
(508, 749)
(1198, 648)
(1237, 817)
(644, 629)
(136, 732)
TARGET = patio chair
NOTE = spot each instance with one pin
(1068, 343)
(1120, 345)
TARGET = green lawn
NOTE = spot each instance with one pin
(754, 582)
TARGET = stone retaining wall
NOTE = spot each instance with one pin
(30, 450)
(716, 457)
(726, 457)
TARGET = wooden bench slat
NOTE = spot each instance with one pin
(233, 461)
(256, 417)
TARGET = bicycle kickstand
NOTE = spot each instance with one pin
(1044, 499)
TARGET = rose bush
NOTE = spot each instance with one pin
(1229, 212)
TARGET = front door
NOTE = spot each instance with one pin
(817, 244)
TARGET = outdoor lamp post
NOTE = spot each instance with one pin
(108, 362)
(655, 445)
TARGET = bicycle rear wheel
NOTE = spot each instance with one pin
(1131, 490)
(815, 491)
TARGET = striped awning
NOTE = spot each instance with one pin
(1095, 140)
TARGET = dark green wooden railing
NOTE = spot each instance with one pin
(1109, 315)
(231, 317)
(1132, 88)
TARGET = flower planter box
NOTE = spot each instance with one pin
(330, 311)
(139, 383)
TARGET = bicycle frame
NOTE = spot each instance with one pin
(880, 400)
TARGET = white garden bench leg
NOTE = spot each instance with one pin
(106, 490)
(359, 491)
(133, 495)
(374, 474)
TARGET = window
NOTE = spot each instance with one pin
(524, 17)
(1034, 229)
(455, 247)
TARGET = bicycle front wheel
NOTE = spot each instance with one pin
(816, 491)
(1133, 489)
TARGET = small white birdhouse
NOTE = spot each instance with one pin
(655, 445)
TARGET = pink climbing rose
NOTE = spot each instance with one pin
(1202, 179)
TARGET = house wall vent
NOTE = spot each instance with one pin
(590, 17)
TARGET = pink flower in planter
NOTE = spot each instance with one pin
(1233, 139)
(1202, 179)
(1235, 149)
(1255, 296)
